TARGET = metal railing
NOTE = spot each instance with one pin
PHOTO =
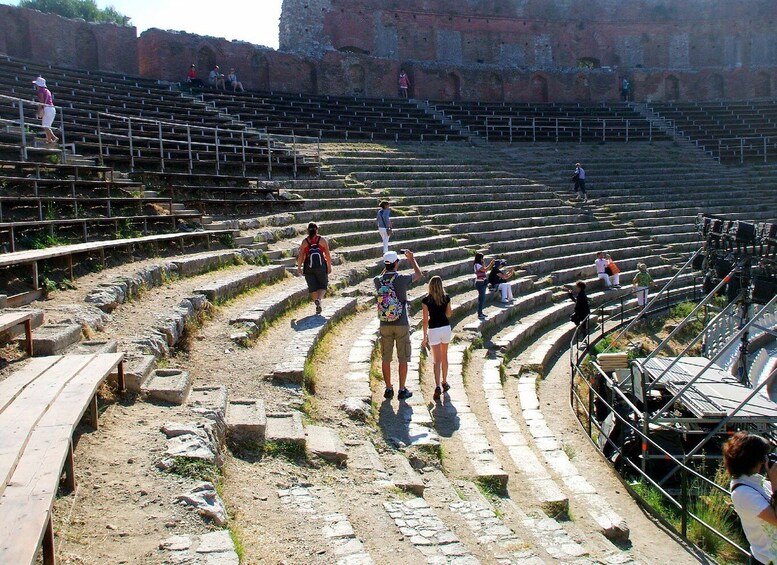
(511, 128)
(160, 143)
(26, 126)
(586, 399)
(743, 149)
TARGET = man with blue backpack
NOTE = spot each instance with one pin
(391, 290)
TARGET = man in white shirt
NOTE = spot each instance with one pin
(601, 265)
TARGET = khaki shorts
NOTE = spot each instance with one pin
(398, 334)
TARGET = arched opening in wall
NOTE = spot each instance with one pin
(496, 86)
(671, 88)
(714, 87)
(86, 49)
(588, 63)
(356, 80)
(452, 87)
(260, 71)
(582, 89)
(763, 85)
(539, 89)
(206, 60)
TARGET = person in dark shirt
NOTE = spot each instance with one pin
(582, 307)
(437, 332)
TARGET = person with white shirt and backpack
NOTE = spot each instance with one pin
(314, 261)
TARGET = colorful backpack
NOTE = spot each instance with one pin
(390, 308)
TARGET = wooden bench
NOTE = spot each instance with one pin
(9, 320)
(40, 407)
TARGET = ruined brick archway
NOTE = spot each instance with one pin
(452, 88)
(671, 88)
(539, 89)
(763, 85)
(356, 80)
(715, 87)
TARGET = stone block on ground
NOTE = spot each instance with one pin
(95, 346)
(208, 401)
(612, 526)
(207, 502)
(403, 476)
(325, 443)
(285, 427)
(246, 419)
(137, 368)
(54, 339)
(356, 408)
(168, 385)
(231, 286)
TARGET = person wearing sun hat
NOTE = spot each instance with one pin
(395, 327)
(46, 111)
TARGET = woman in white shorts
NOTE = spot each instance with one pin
(437, 332)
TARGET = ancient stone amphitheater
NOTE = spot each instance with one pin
(148, 255)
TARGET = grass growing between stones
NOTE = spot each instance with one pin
(288, 449)
(491, 487)
(196, 469)
(191, 327)
(236, 536)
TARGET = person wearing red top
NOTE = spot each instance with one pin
(404, 83)
(191, 76)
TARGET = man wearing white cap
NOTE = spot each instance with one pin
(391, 289)
(46, 110)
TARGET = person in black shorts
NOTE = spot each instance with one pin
(437, 332)
(314, 261)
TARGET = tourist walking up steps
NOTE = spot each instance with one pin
(579, 179)
(391, 290)
(437, 332)
(384, 224)
(46, 110)
(481, 281)
(314, 261)
(642, 282)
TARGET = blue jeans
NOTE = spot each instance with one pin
(481, 288)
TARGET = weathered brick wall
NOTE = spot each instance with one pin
(512, 50)
(29, 34)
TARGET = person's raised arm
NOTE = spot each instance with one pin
(417, 272)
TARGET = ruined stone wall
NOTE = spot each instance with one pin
(489, 50)
(47, 38)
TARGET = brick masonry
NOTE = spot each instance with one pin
(485, 50)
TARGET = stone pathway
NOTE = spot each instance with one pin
(454, 416)
(307, 332)
(610, 523)
(489, 529)
(546, 491)
(215, 548)
(318, 504)
(418, 522)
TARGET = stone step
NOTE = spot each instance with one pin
(230, 286)
(168, 385)
(402, 474)
(358, 402)
(431, 244)
(455, 416)
(320, 506)
(545, 490)
(611, 525)
(285, 428)
(496, 318)
(308, 331)
(246, 420)
(325, 443)
(52, 339)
